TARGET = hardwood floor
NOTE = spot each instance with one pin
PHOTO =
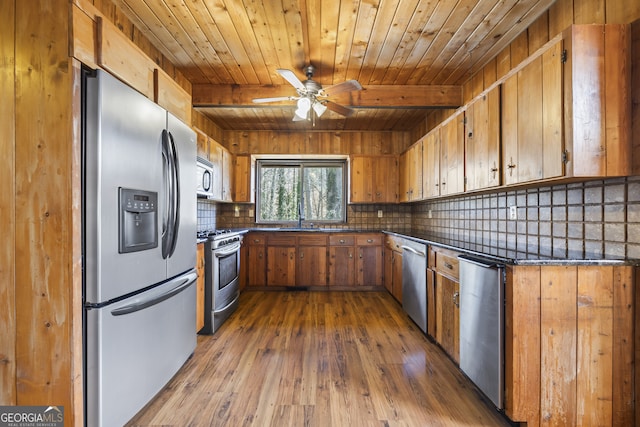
(318, 359)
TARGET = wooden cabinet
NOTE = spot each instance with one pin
(257, 259)
(411, 173)
(452, 155)
(227, 176)
(482, 142)
(393, 266)
(569, 352)
(562, 113)
(215, 157)
(431, 164)
(311, 269)
(369, 262)
(243, 178)
(443, 290)
(200, 286)
(374, 179)
(342, 260)
(281, 260)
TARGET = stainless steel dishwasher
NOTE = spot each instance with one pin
(414, 282)
(482, 325)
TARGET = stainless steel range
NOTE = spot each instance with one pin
(222, 271)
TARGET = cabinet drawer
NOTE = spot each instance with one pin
(447, 264)
(341, 240)
(256, 239)
(369, 240)
(282, 239)
(312, 239)
(393, 243)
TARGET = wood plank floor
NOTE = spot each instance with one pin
(318, 359)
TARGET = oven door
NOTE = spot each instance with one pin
(226, 272)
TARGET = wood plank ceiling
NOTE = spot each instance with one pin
(408, 55)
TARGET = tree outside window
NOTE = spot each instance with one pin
(289, 189)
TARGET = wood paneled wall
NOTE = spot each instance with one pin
(40, 276)
(8, 391)
(263, 142)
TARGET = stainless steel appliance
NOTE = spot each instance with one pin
(139, 250)
(414, 282)
(222, 272)
(482, 325)
(204, 176)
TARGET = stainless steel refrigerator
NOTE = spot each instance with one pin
(139, 219)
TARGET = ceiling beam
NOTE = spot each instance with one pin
(372, 96)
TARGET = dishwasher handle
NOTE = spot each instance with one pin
(410, 249)
(481, 262)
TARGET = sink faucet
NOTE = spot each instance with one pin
(300, 215)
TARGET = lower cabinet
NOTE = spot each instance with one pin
(256, 268)
(393, 267)
(311, 264)
(443, 308)
(200, 286)
(342, 260)
(369, 262)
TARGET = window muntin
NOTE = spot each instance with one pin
(314, 188)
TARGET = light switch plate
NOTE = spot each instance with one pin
(379, 213)
(513, 212)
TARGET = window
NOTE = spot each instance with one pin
(309, 190)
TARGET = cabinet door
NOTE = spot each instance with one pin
(447, 316)
(415, 167)
(361, 182)
(532, 109)
(482, 142)
(342, 266)
(202, 141)
(385, 179)
(431, 164)
(281, 266)
(397, 275)
(403, 175)
(369, 270)
(452, 156)
(257, 265)
(227, 171)
(311, 266)
(215, 156)
(243, 179)
(388, 270)
(432, 303)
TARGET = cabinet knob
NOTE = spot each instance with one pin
(369, 240)
(350, 255)
(301, 255)
(342, 241)
(456, 299)
(449, 266)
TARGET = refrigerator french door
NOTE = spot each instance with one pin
(139, 219)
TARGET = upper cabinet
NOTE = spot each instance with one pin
(482, 141)
(411, 173)
(374, 179)
(566, 112)
(431, 164)
(532, 142)
(452, 155)
(243, 177)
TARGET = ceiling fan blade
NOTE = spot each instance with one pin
(276, 99)
(348, 86)
(337, 108)
(291, 78)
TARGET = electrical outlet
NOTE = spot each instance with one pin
(379, 213)
(250, 212)
(430, 214)
(236, 212)
(513, 212)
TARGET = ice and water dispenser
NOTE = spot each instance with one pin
(138, 222)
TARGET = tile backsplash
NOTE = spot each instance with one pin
(586, 220)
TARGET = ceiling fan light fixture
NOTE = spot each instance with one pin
(319, 108)
(304, 105)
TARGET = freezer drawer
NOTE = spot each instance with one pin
(135, 346)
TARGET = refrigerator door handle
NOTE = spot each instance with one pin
(168, 233)
(185, 282)
(175, 195)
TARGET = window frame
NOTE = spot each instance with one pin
(302, 163)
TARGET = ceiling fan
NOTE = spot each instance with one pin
(312, 96)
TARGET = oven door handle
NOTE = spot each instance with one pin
(226, 251)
